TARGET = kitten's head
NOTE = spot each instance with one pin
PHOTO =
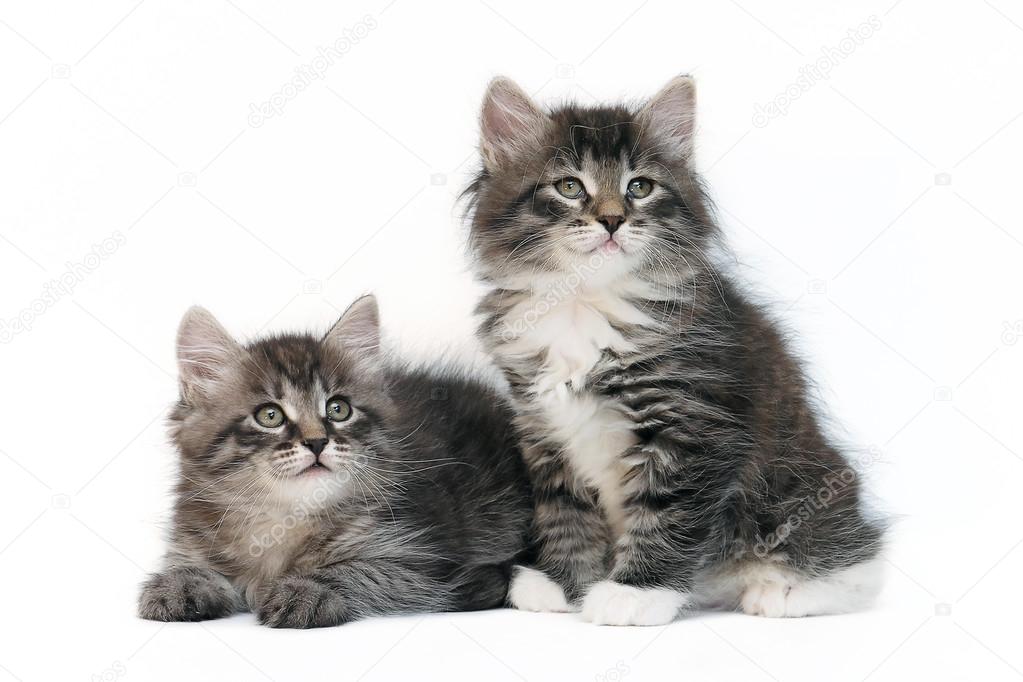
(285, 419)
(577, 187)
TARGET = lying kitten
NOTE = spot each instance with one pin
(320, 485)
(675, 457)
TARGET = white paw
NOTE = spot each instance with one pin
(532, 590)
(777, 594)
(767, 598)
(611, 603)
(577, 382)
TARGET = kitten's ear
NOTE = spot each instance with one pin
(358, 330)
(509, 123)
(205, 353)
(670, 116)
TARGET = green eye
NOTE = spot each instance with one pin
(338, 409)
(570, 188)
(270, 415)
(640, 188)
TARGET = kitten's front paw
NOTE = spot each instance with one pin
(187, 594)
(297, 602)
(532, 590)
(611, 603)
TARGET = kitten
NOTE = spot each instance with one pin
(675, 456)
(320, 484)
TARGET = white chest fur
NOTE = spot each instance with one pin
(595, 433)
(570, 334)
(265, 542)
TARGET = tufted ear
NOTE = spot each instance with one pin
(358, 329)
(670, 115)
(509, 123)
(206, 352)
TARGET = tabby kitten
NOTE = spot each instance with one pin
(320, 483)
(675, 456)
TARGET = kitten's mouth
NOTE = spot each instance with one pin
(610, 246)
(314, 469)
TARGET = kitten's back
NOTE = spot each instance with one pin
(465, 475)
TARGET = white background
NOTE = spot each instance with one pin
(880, 214)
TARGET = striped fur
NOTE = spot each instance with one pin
(667, 428)
(420, 502)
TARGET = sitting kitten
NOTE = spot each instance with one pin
(675, 457)
(320, 485)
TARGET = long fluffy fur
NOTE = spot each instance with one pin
(425, 506)
(667, 428)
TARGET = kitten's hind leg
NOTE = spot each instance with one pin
(484, 587)
(532, 590)
(188, 593)
(773, 590)
(839, 567)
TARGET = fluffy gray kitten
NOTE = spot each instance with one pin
(320, 484)
(675, 456)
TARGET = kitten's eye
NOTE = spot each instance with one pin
(270, 415)
(570, 188)
(640, 188)
(338, 409)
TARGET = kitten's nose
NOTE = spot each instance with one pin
(611, 223)
(316, 445)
